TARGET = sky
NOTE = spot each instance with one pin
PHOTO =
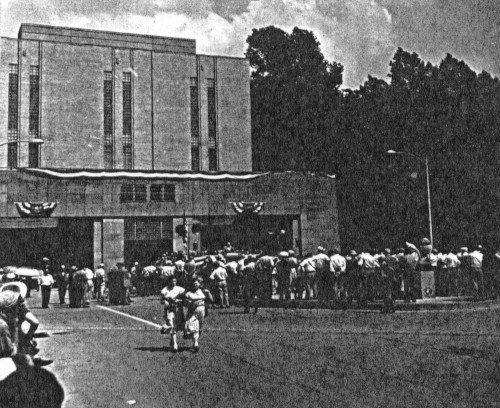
(362, 35)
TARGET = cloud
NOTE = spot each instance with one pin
(361, 34)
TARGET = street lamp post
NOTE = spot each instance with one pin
(426, 160)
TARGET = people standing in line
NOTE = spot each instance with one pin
(195, 300)
(219, 277)
(100, 284)
(46, 282)
(62, 283)
(171, 297)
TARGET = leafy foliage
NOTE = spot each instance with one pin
(447, 113)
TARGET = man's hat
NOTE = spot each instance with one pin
(8, 298)
(45, 259)
(352, 252)
(291, 252)
(10, 276)
(283, 254)
(17, 287)
(464, 249)
(101, 265)
(321, 249)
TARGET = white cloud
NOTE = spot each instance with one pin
(356, 33)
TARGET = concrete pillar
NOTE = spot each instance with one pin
(97, 243)
(113, 241)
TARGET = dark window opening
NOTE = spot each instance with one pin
(34, 114)
(33, 155)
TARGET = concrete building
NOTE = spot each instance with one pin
(109, 141)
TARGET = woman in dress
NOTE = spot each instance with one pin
(195, 300)
(171, 298)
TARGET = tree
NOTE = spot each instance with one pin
(294, 91)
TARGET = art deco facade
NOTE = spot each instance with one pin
(139, 134)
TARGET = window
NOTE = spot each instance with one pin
(33, 155)
(133, 193)
(163, 192)
(127, 121)
(13, 115)
(34, 101)
(195, 125)
(140, 193)
(212, 126)
(148, 229)
(127, 155)
(108, 120)
(127, 103)
(195, 158)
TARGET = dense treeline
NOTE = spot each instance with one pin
(302, 120)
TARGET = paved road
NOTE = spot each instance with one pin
(279, 358)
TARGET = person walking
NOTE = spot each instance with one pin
(195, 300)
(171, 297)
(62, 283)
(46, 282)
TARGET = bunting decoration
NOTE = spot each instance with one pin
(242, 207)
(35, 210)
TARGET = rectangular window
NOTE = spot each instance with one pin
(108, 120)
(13, 115)
(140, 193)
(195, 125)
(156, 192)
(148, 229)
(127, 156)
(212, 159)
(127, 121)
(195, 158)
(127, 103)
(127, 193)
(33, 155)
(133, 193)
(212, 126)
(162, 192)
(34, 101)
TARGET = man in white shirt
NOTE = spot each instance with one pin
(46, 282)
(322, 264)
(476, 269)
(367, 263)
(219, 276)
(338, 266)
